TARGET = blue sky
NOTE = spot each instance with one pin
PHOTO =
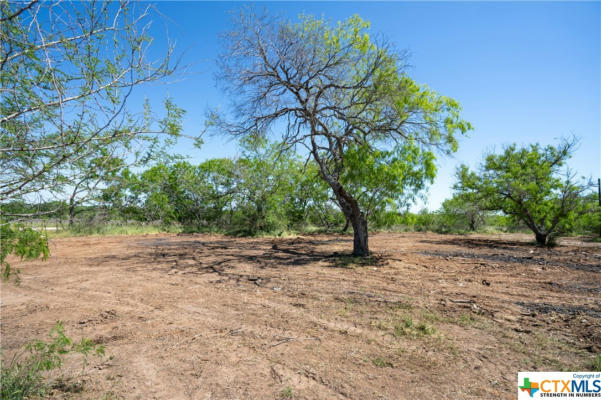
(523, 71)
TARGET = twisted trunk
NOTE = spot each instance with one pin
(347, 203)
(358, 220)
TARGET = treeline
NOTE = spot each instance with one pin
(262, 191)
(92, 218)
(270, 191)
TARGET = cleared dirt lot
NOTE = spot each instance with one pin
(212, 317)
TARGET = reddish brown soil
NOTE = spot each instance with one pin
(212, 317)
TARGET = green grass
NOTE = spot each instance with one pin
(401, 323)
(349, 305)
(382, 363)
(464, 320)
(597, 363)
(108, 229)
(471, 320)
(406, 327)
(424, 329)
(287, 393)
(112, 396)
(402, 306)
(112, 229)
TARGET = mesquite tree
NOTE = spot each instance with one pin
(67, 70)
(345, 98)
(531, 185)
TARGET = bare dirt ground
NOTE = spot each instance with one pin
(212, 317)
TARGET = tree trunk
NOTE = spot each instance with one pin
(348, 205)
(541, 238)
(72, 204)
(71, 214)
(358, 220)
(360, 244)
(350, 208)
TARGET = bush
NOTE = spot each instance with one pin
(23, 377)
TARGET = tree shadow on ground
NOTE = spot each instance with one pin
(593, 266)
(475, 243)
(230, 258)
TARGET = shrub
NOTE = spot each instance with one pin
(23, 377)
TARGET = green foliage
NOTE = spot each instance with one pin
(466, 209)
(63, 111)
(371, 130)
(381, 177)
(263, 180)
(21, 241)
(590, 220)
(266, 190)
(23, 376)
(49, 209)
(385, 181)
(527, 184)
(116, 228)
(65, 129)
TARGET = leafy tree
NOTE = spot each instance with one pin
(21, 208)
(215, 187)
(100, 166)
(274, 190)
(67, 70)
(459, 213)
(89, 176)
(264, 190)
(199, 195)
(120, 196)
(529, 185)
(262, 183)
(179, 192)
(343, 97)
(466, 207)
(426, 221)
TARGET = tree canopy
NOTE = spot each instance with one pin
(67, 70)
(346, 98)
(531, 185)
